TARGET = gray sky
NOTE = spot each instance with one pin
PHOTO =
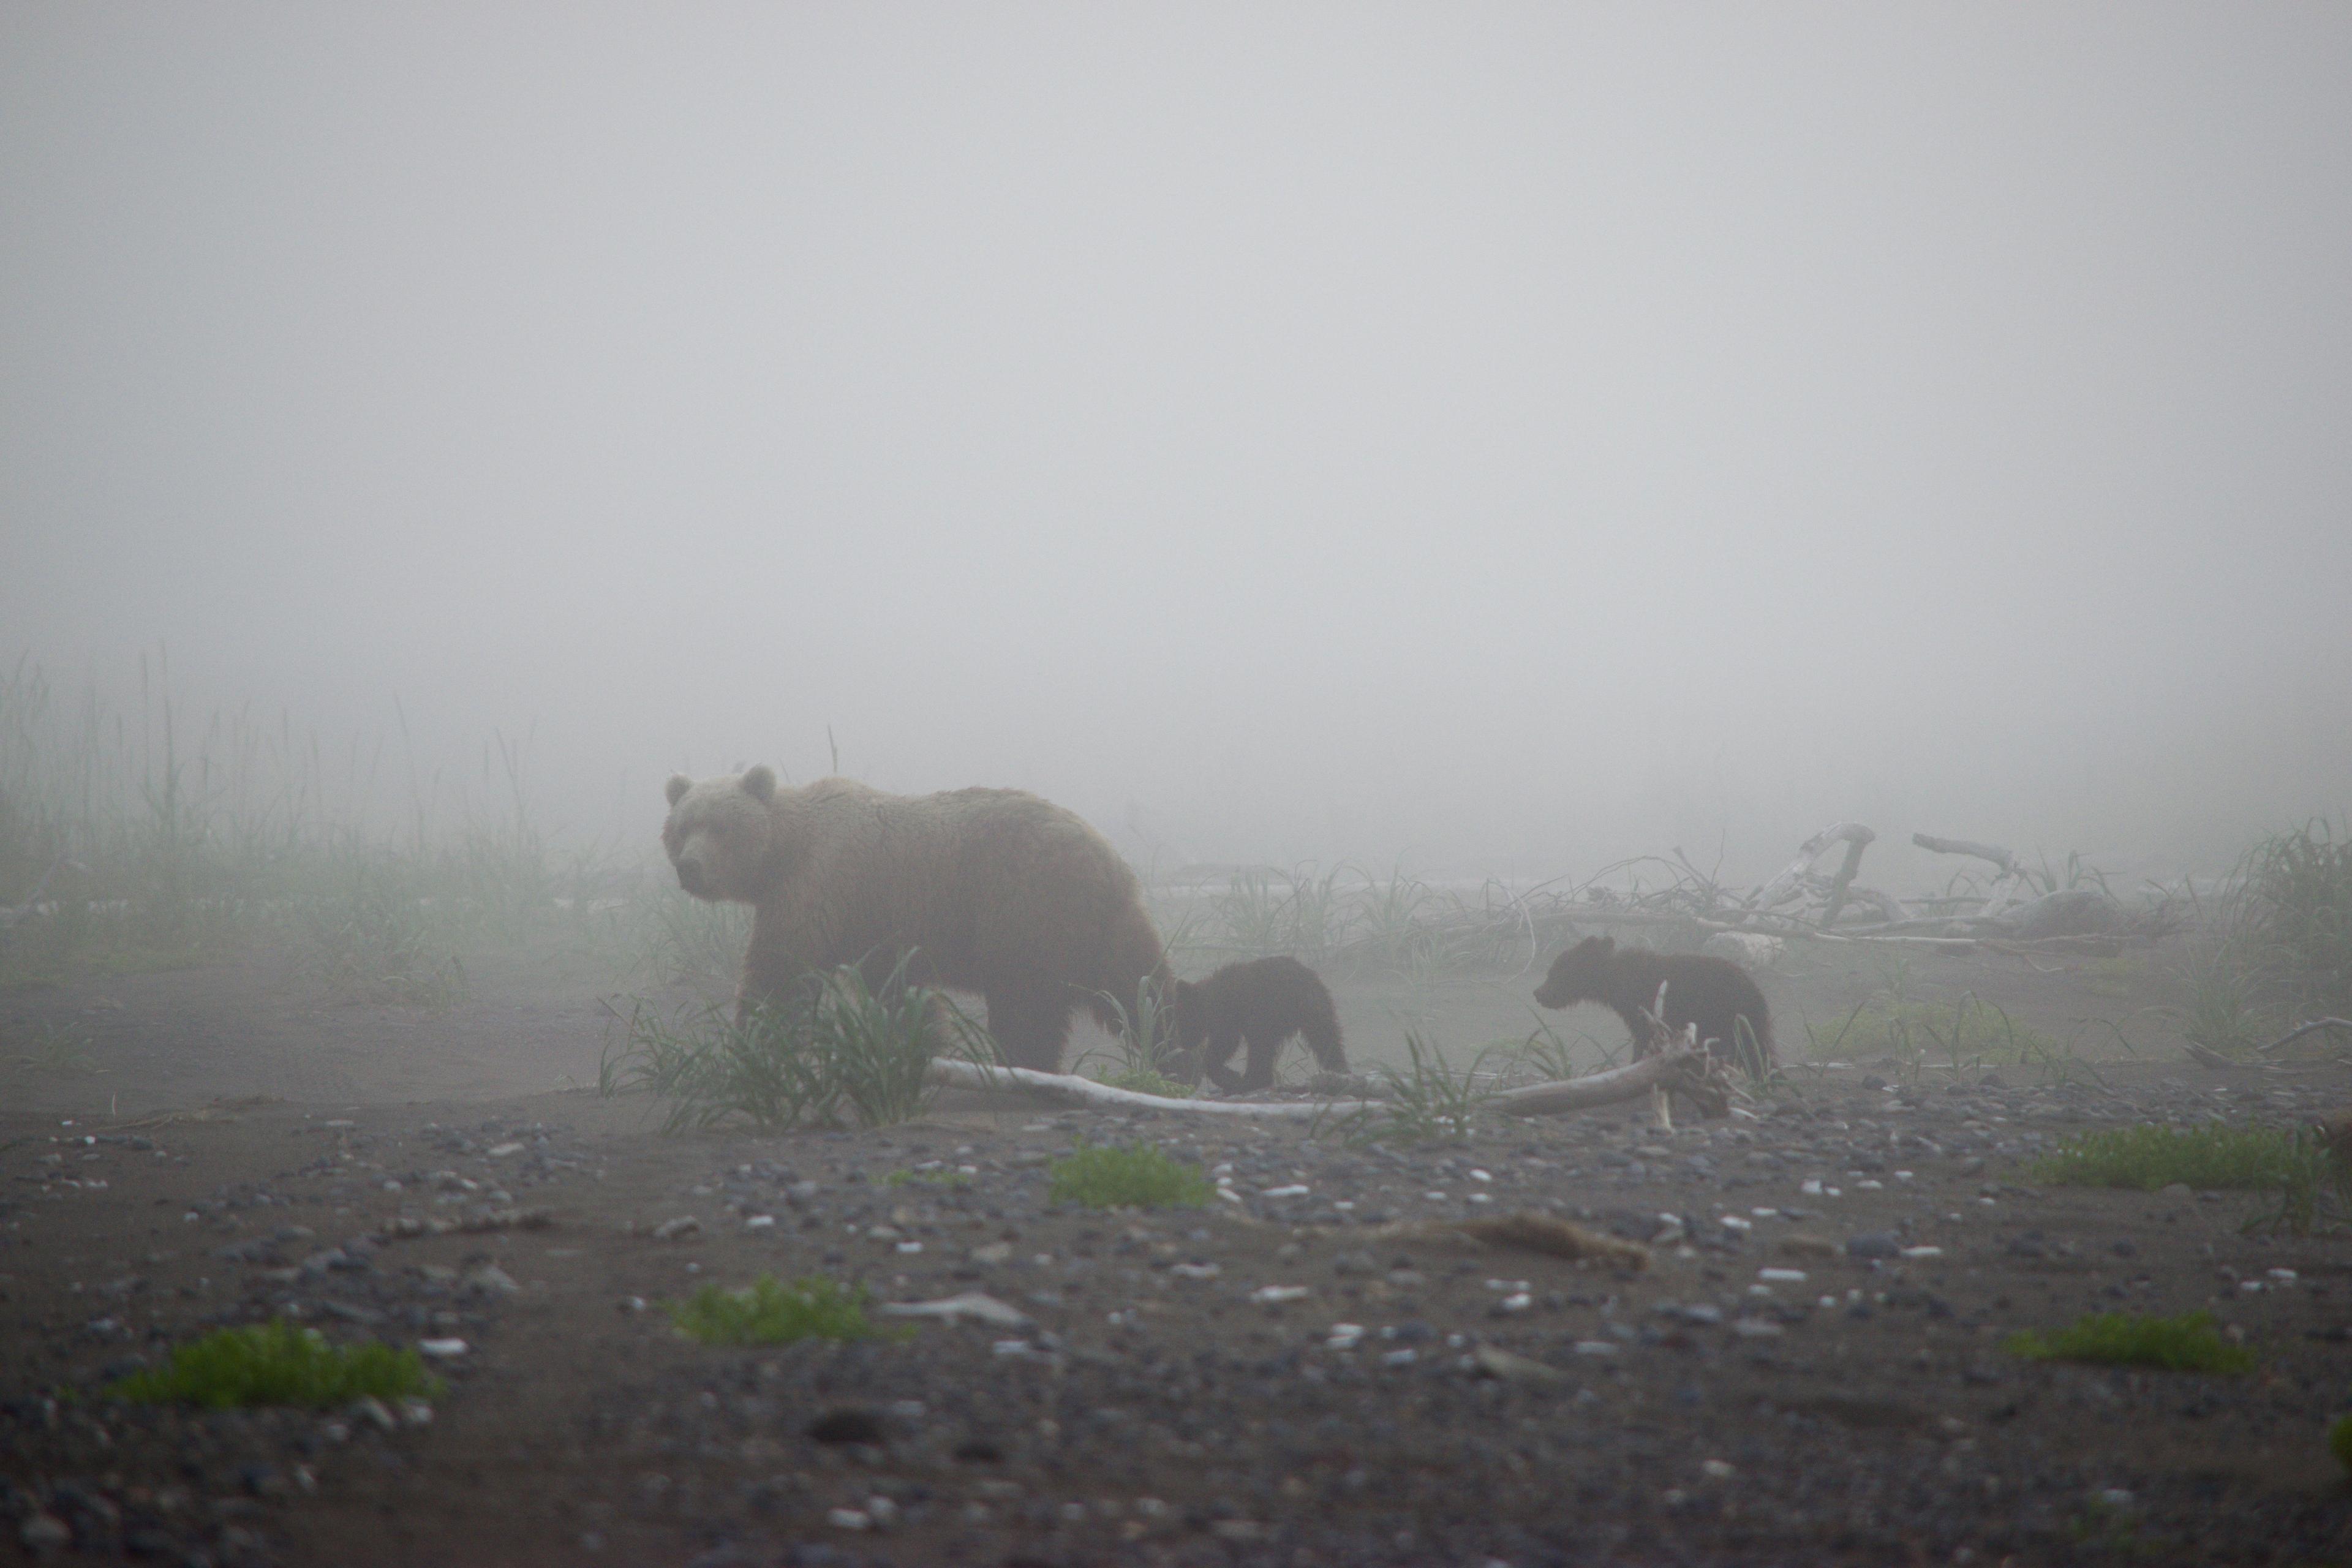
(1505, 436)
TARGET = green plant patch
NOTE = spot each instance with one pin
(279, 1363)
(2188, 1343)
(1967, 1031)
(2214, 1156)
(940, 1177)
(1430, 1101)
(840, 1051)
(1144, 1080)
(1139, 1176)
(768, 1312)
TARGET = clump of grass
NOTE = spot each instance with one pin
(2149, 1157)
(375, 941)
(279, 1363)
(2188, 1343)
(841, 1050)
(1968, 1032)
(57, 1048)
(2296, 909)
(2339, 1440)
(1103, 1176)
(1149, 1048)
(769, 1312)
(941, 1177)
(1430, 1102)
(2223, 1014)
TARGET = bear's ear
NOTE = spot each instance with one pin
(677, 787)
(760, 783)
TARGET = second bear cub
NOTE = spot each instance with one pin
(1711, 993)
(1261, 1003)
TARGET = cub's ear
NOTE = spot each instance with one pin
(1604, 944)
(760, 783)
(677, 787)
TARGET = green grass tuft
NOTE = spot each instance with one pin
(2339, 1440)
(840, 1051)
(2212, 1156)
(766, 1312)
(1964, 1033)
(1139, 1176)
(279, 1363)
(2186, 1343)
(1431, 1101)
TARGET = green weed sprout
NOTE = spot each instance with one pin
(1139, 1176)
(2186, 1343)
(766, 1312)
(2212, 1156)
(2339, 1440)
(279, 1363)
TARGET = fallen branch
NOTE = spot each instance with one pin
(2302, 1029)
(1685, 1071)
(1085, 1094)
(1784, 887)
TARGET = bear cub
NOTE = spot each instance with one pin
(1261, 1003)
(1711, 993)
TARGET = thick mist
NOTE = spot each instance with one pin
(1505, 439)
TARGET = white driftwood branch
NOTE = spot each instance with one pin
(1085, 1094)
(1672, 1070)
(2005, 858)
(1784, 887)
(2004, 887)
(1683, 1069)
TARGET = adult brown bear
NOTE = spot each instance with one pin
(1712, 993)
(993, 890)
(1260, 1004)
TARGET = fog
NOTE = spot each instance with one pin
(1499, 437)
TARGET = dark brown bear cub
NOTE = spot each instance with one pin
(1708, 991)
(1261, 1003)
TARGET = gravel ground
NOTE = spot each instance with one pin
(1809, 1369)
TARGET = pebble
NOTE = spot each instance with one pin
(45, 1533)
(1873, 1244)
(441, 1350)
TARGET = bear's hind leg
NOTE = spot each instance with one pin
(1265, 1046)
(1030, 1025)
(1217, 1059)
(1322, 1037)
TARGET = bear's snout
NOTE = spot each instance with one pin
(689, 875)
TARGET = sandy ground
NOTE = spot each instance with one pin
(230, 1148)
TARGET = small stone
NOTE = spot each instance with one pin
(441, 1350)
(1873, 1244)
(847, 1425)
(1275, 1295)
(45, 1533)
(1716, 1469)
(671, 1230)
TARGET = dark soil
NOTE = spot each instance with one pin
(1150, 1412)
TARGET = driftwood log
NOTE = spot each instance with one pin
(1685, 1070)
(1792, 879)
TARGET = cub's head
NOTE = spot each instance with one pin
(1580, 974)
(721, 834)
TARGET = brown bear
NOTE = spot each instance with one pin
(1712, 993)
(1263, 1004)
(993, 890)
